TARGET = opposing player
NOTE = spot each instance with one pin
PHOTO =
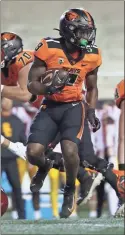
(63, 109)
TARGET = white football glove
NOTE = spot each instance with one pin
(18, 148)
(2, 139)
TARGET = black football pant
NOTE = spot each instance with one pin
(11, 169)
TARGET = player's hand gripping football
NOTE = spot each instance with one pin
(55, 80)
(93, 120)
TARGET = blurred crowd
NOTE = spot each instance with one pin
(16, 122)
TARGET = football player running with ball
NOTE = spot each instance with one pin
(59, 69)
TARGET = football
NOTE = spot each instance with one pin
(4, 202)
(49, 75)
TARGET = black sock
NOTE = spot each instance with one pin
(122, 167)
(69, 188)
(82, 175)
(111, 178)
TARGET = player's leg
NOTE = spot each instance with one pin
(35, 196)
(13, 177)
(100, 198)
(42, 132)
(71, 130)
(121, 159)
(121, 138)
(22, 168)
(54, 179)
(88, 179)
(113, 179)
(102, 165)
(54, 186)
(36, 205)
(63, 182)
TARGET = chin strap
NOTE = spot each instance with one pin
(56, 29)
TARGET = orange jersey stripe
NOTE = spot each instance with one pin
(82, 125)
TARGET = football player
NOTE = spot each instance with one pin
(15, 64)
(63, 109)
(120, 102)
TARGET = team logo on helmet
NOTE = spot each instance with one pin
(8, 36)
(71, 16)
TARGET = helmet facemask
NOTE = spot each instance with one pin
(81, 36)
(78, 28)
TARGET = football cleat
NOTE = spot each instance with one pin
(121, 210)
(38, 179)
(92, 181)
(68, 205)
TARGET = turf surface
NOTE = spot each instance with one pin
(101, 226)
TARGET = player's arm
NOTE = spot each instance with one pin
(121, 137)
(38, 73)
(34, 85)
(92, 90)
(19, 92)
(17, 148)
(91, 98)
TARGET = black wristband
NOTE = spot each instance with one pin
(33, 98)
(50, 90)
(91, 110)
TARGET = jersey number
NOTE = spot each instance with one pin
(38, 46)
(7, 129)
(23, 57)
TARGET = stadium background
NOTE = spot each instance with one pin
(33, 20)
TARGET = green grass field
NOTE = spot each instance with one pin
(64, 226)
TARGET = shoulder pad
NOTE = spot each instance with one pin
(53, 42)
